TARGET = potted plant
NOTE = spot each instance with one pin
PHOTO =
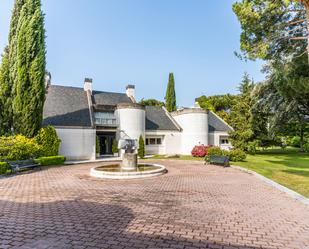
(115, 149)
(97, 147)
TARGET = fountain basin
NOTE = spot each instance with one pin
(115, 171)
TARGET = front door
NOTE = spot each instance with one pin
(106, 143)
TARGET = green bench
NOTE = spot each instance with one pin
(23, 164)
(220, 160)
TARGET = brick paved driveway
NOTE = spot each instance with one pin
(193, 206)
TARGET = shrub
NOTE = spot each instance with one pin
(97, 145)
(48, 140)
(306, 147)
(141, 147)
(252, 146)
(115, 146)
(4, 167)
(51, 160)
(18, 147)
(200, 150)
(215, 151)
(236, 155)
(295, 141)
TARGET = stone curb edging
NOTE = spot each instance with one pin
(276, 185)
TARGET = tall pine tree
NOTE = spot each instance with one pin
(29, 87)
(241, 116)
(170, 97)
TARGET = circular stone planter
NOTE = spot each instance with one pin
(113, 172)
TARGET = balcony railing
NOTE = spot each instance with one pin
(106, 121)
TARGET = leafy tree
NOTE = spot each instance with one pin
(272, 29)
(241, 116)
(151, 102)
(141, 147)
(220, 104)
(286, 108)
(170, 97)
(5, 95)
(29, 87)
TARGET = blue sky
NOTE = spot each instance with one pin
(120, 42)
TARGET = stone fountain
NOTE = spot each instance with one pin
(129, 167)
(129, 158)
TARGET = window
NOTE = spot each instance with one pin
(154, 141)
(105, 118)
(224, 141)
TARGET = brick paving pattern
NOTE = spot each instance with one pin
(192, 206)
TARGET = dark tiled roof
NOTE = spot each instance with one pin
(216, 124)
(108, 98)
(157, 119)
(66, 106)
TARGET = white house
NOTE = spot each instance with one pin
(82, 114)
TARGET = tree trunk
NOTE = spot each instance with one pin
(301, 134)
(306, 5)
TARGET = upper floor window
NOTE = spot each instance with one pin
(105, 118)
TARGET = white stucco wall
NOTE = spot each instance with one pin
(77, 144)
(194, 129)
(131, 121)
(171, 142)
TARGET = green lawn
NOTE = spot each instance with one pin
(287, 167)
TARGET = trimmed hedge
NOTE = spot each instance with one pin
(4, 167)
(235, 155)
(51, 160)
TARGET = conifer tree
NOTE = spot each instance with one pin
(170, 97)
(241, 116)
(8, 72)
(5, 94)
(141, 147)
(29, 89)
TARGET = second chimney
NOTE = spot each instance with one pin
(130, 91)
(88, 84)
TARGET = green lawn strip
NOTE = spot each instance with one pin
(289, 168)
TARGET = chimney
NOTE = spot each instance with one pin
(88, 84)
(47, 79)
(130, 91)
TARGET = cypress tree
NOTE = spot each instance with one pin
(8, 72)
(5, 94)
(170, 97)
(18, 5)
(29, 89)
(141, 147)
